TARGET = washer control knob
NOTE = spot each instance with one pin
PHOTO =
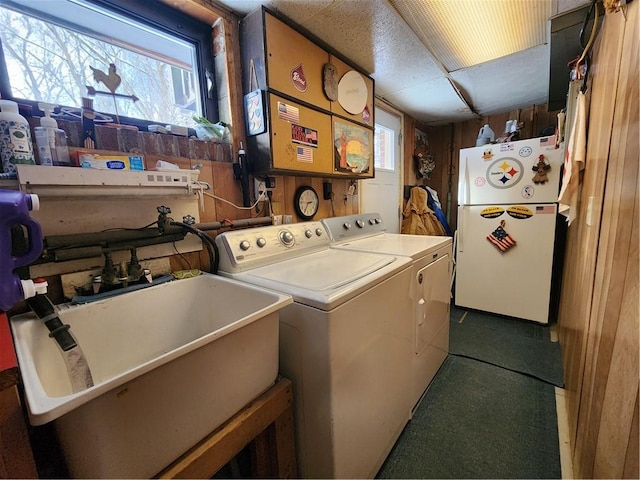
(261, 242)
(319, 232)
(286, 237)
(372, 221)
(308, 233)
(346, 225)
(360, 223)
(244, 245)
(378, 220)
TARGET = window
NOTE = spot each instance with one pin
(54, 50)
(384, 147)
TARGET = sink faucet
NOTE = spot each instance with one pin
(113, 277)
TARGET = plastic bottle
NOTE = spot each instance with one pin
(485, 136)
(14, 211)
(51, 140)
(15, 140)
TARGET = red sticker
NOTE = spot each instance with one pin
(366, 115)
(298, 79)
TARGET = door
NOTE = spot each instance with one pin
(431, 344)
(506, 173)
(515, 281)
(383, 194)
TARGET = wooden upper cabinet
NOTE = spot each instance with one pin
(294, 64)
(355, 91)
(307, 111)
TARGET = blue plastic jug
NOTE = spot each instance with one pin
(14, 211)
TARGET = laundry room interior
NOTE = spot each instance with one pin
(319, 239)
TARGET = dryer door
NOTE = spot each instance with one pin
(432, 308)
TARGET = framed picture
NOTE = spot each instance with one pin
(353, 148)
(421, 139)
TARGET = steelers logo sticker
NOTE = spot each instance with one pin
(504, 173)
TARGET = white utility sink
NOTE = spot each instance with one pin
(170, 363)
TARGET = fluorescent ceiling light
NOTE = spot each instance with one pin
(462, 33)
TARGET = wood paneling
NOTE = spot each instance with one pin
(599, 304)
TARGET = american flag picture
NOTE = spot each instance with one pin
(304, 154)
(501, 239)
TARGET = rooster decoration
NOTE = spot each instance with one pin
(112, 81)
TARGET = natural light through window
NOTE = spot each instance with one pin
(51, 49)
(384, 148)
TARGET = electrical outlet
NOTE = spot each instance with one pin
(260, 187)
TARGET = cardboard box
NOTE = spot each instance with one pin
(110, 162)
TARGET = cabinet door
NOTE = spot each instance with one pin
(295, 64)
(433, 299)
(300, 137)
(361, 89)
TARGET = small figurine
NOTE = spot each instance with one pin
(541, 168)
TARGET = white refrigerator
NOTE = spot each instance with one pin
(507, 208)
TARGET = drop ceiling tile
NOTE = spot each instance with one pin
(510, 82)
(373, 36)
(433, 102)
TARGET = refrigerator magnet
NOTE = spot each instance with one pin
(491, 212)
(500, 239)
(487, 154)
(541, 167)
(520, 212)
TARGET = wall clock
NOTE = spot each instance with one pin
(306, 202)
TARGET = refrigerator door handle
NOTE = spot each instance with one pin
(466, 185)
(462, 220)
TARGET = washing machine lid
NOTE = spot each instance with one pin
(327, 278)
(414, 246)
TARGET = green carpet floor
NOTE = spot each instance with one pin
(517, 345)
(481, 420)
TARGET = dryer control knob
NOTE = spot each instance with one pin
(244, 245)
(261, 242)
(346, 225)
(360, 223)
(287, 237)
(372, 221)
(308, 233)
(319, 232)
(378, 220)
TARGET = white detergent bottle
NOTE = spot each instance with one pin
(15, 137)
(51, 140)
(485, 135)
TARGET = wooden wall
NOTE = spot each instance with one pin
(599, 304)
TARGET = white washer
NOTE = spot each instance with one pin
(429, 288)
(342, 342)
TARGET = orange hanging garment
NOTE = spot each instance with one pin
(418, 218)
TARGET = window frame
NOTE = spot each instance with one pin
(157, 15)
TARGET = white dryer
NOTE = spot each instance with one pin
(429, 288)
(342, 342)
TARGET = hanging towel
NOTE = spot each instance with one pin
(574, 162)
(418, 218)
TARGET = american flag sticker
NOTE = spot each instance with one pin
(548, 141)
(304, 154)
(545, 209)
(501, 239)
(288, 113)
